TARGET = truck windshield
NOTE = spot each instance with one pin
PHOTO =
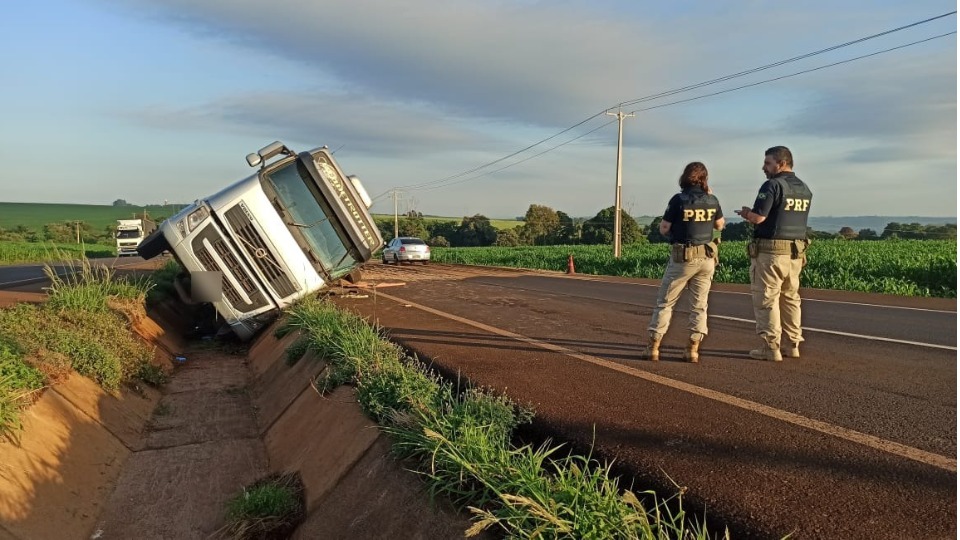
(127, 233)
(310, 216)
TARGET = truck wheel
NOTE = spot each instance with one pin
(153, 245)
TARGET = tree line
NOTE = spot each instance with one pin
(544, 226)
(541, 226)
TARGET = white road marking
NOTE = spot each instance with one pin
(715, 291)
(44, 276)
(848, 334)
(871, 441)
(752, 321)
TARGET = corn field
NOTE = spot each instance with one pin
(30, 252)
(901, 267)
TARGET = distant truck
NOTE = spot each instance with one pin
(297, 225)
(130, 232)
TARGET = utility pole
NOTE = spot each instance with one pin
(396, 220)
(616, 206)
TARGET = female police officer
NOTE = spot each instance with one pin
(689, 222)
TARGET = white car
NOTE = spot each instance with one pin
(406, 249)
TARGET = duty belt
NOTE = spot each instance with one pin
(794, 248)
(683, 253)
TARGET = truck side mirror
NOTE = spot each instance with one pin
(253, 160)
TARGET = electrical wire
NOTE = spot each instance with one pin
(442, 181)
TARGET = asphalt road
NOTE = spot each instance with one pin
(29, 276)
(856, 439)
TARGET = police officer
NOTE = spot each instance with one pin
(689, 222)
(778, 253)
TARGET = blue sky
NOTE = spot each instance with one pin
(151, 100)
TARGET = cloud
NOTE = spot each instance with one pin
(896, 112)
(360, 123)
(488, 59)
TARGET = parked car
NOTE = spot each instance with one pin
(406, 248)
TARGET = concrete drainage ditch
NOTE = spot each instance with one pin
(151, 464)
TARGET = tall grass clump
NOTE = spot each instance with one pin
(83, 286)
(460, 442)
(347, 338)
(271, 507)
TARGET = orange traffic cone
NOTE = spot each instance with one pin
(570, 268)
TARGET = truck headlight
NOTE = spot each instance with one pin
(196, 217)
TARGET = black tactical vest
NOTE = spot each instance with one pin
(788, 217)
(699, 211)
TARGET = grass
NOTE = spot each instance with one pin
(162, 282)
(271, 507)
(83, 286)
(29, 252)
(460, 442)
(19, 381)
(85, 326)
(902, 267)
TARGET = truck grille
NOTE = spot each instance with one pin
(234, 268)
(257, 249)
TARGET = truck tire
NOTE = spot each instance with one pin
(153, 245)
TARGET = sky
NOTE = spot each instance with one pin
(161, 100)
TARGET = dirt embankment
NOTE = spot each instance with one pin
(150, 464)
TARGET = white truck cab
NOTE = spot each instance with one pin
(130, 232)
(295, 226)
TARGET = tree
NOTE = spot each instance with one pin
(867, 234)
(540, 225)
(438, 241)
(820, 235)
(475, 231)
(599, 229)
(412, 225)
(385, 226)
(444, 229)
(653, 233)
(508, 238)
(741, 230)
(569, 231)
(121, 202)
(848, 233)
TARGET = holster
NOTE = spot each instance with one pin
(681, 253)
(798, 250)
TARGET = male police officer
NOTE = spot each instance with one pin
(778, 253)
(689, 221)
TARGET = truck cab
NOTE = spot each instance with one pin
(297, 225)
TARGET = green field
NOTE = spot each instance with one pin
(903, 267)
(35, 215)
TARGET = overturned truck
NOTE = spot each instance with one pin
(296, 226)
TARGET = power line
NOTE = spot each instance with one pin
(438, 185)
(783, 62)
(441, 181)
(818, 68)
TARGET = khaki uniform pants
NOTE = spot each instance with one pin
(699, 274)
(775, 279)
